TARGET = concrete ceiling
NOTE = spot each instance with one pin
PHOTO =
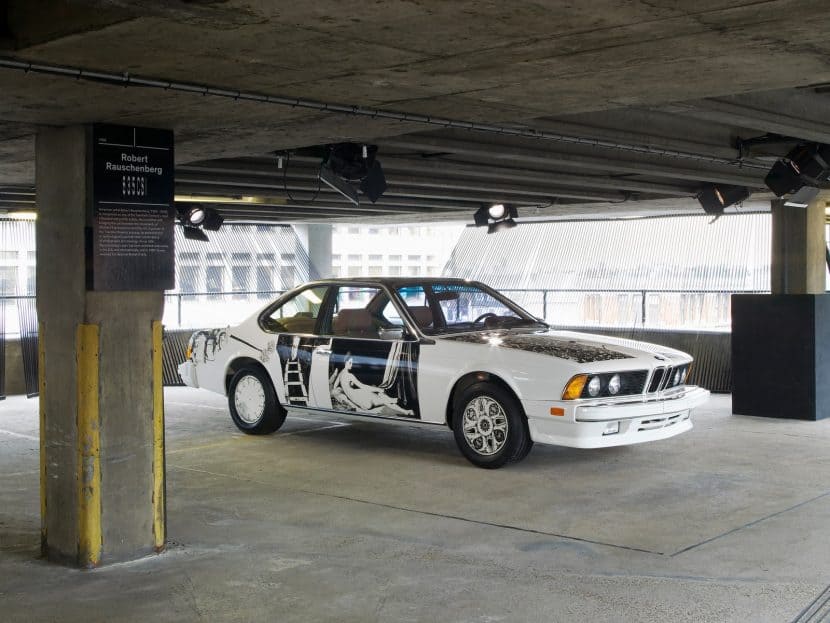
(660, 75)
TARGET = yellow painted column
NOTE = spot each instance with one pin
(159, 493)
(41, 382)
(89, 448)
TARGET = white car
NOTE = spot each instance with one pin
(442, 351)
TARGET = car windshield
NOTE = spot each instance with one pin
(440, 308)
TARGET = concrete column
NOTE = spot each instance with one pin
(317, 241)
(798, 248)
(101, 409)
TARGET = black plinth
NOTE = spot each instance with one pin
(781, 355)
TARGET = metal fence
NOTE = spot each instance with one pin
(638, 314)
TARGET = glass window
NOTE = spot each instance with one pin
(214, 279)
(469, 308)
(188, 279)
(30, 280)
(375, 271)
(355, 258)
(358, 313)
(296, 315)
(264, 281)
(413, 258)
(8, 280)
(354, 230)
(395, 258)
(394, 271)
(335, 258)
(375, 258)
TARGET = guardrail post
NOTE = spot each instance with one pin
(643, 308)
(544, 304)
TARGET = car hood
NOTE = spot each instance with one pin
(570, 345)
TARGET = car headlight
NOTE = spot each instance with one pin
(594, 385)
(614, 385)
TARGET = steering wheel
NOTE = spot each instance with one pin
(483, 316)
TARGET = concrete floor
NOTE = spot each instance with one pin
(330, 520)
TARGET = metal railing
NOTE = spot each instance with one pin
(702, 309)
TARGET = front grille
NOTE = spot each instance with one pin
(656, 379)
(663, 378)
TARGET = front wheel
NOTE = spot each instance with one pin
(253, 402)
(489, 426)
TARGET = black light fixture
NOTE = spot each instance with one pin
(495, 217)
(195, 218)
(348, 163)
(716, 197)
(806, 165)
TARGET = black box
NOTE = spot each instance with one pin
(781, 355)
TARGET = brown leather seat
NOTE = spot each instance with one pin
(354, 323)
(422, 315)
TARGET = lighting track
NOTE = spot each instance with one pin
(126, 79)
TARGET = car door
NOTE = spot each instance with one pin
(295, 323)
(372, 361)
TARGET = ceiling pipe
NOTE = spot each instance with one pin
(125, 79)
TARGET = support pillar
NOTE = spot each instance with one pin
(101, 401)
(317, 241)
(780, 341)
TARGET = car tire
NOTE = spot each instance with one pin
(490, 427)
(253, 402)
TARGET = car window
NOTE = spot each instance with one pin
(351, 316)
(415, 299)
(296, 315)
(466, 308)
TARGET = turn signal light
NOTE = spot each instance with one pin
(573, 389)
(188, 353)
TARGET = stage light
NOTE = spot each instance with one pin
(195, 215)
(496, 217)
(806, 165)
(496, 211)
(714, 198)
(196, 218)
(349, 163)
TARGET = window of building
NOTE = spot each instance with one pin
(355, 259)
(375, 258)
(214, 280)
(375, 271)
(354, 230)
(335, 258)
(394, 271)
(8, 280)
(395, 258)
(288, 274)
(414, 271)
(413, 258)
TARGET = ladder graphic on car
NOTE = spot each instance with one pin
(295, 390)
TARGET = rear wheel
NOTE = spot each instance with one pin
(253, 402)
(489, 426)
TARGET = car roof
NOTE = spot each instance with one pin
(395, 281)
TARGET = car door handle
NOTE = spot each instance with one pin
(323, 350)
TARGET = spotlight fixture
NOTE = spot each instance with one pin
(495, 217)
(807, 164)
(196, 218)
(348, 163)
(802, 197)
(715, 197)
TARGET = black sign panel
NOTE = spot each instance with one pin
(133, 211)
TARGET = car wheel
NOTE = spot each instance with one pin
(253, 402)
(490, 427)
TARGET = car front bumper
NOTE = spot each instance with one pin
(187, 370)
(587, 425)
